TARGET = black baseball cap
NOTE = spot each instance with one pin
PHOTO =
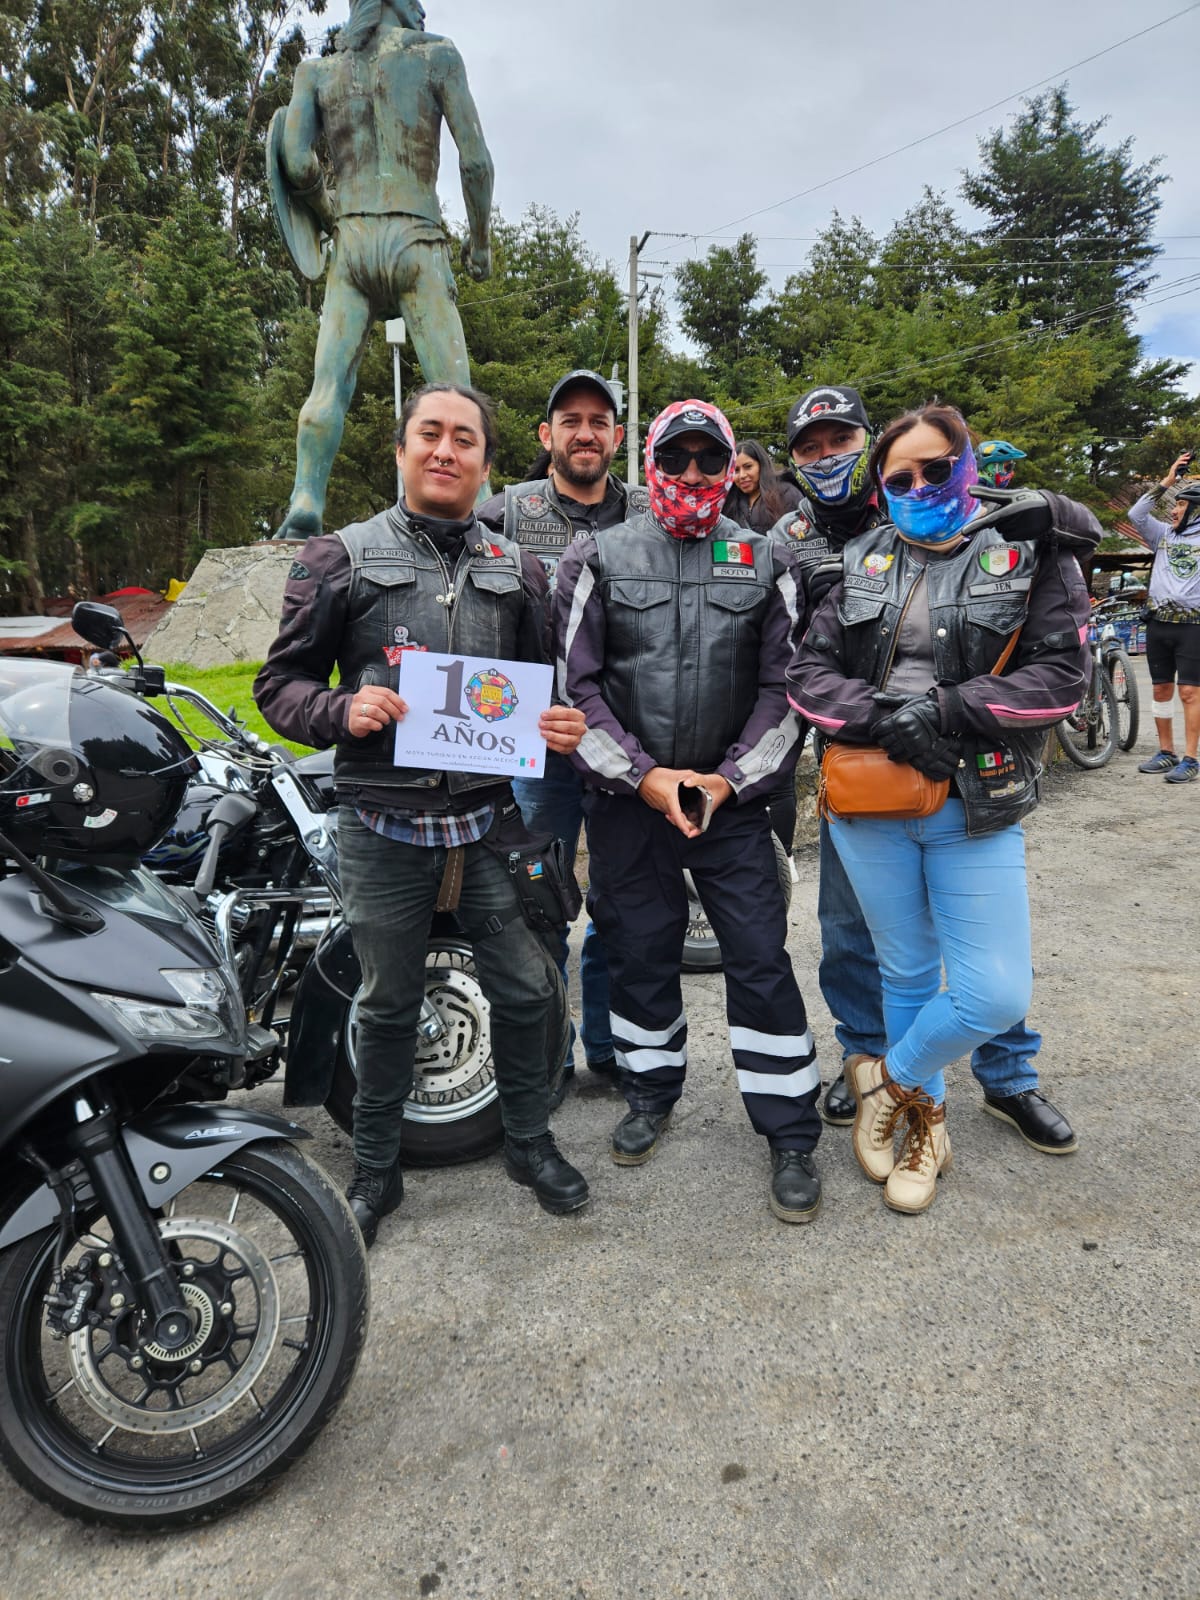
(692, 420)
(827, 404)
(581, 375)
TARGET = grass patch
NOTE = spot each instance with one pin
(228, 686)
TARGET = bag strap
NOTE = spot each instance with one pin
(1006, 653)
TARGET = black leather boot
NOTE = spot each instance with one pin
(372, 1195)
(795, 1186)
(537, 1164)
(837, 1109)
(635, 1137)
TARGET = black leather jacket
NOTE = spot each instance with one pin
(359, 598)
(533, 516)
(978, 596)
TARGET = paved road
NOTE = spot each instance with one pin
(675, 1395)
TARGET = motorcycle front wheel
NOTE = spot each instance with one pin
(114, 1430)
(453, 1113)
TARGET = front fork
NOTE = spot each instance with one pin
(96, 1140)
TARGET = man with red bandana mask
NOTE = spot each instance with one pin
(672, 635)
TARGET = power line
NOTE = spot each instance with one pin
(947, 127)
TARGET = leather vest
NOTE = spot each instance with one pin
(535, 519)
(398, 600)
(977, 597)
(683, 625)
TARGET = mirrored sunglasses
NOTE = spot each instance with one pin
(934, 473)
(673, 459)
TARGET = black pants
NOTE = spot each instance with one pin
(639, 904)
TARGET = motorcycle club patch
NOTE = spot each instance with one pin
(800, 529)
(299, 570)
(998, 560)
(393, 652)
(534, 505)
(732, 553)
(877, 563)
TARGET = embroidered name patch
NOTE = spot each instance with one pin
(733, 572)
(855, 580)
(395, 553)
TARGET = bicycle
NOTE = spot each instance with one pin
(1089, 735)
(1119, 667)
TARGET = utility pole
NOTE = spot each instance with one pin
(631, 420)
(394, 333)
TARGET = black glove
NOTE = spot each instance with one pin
(1015, 513)
(912, 731)
(819, 580)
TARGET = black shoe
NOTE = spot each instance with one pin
(837, 1109)
(1035, 1119)
(372, 1195)
(795, 1186)
(558, 1091)
(635, 1137)
(607, 1068)
(537, 1164)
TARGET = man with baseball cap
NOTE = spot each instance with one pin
(829, 441)
(673, 632)
(580, 497)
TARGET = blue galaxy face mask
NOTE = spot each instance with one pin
(835, 479)
(936, 513)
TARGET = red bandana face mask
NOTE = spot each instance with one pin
(686, 511)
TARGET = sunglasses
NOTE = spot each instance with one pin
(933, 473)
(673, 459)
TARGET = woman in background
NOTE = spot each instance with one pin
(759, 496)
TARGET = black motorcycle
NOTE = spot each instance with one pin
(183, 1295)
(279, 851)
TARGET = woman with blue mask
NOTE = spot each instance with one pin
(903, 654)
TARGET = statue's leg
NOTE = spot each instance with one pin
(345, 326)
(431, 317)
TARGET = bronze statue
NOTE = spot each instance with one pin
(377, 104)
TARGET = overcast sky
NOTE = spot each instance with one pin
(683, 118)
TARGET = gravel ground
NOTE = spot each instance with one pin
(675, 1395)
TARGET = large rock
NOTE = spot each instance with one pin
(229, 610)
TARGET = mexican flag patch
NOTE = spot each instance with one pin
(998, 560)
(732, 553)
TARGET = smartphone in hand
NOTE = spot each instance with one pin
(696, 803)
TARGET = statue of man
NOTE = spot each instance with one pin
(377, 104)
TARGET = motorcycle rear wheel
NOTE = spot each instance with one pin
(453, 1113)
(701, 952)
(272, 1267)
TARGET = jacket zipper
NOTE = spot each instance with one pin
(448, 598)
(899, 624)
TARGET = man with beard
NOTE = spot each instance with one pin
(580, 497)
(829, 441)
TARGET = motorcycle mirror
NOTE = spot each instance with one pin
(99, 625)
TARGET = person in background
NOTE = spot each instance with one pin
(829, 440)
(998, 462)
(912, 652)
(574, 495)
(1173, 627)
(759, 496)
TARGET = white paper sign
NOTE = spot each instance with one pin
(472, 714)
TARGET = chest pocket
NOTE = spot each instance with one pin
(388, 575)
(495, 580)
(638, 609)
(855, 609)
(735, 594)
(1001, 614)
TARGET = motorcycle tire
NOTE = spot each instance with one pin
(453, 1113)
(272, 1267)
(701, 952)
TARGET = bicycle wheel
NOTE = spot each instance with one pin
(1089, 735)
(1120, 669)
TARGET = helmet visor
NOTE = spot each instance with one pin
(35, 717)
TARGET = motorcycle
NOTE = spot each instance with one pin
(183, 1294)
(281, 854)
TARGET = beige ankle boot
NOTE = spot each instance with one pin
(925, 1153)
(879, 1104)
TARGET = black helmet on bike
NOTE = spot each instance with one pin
(87, 771)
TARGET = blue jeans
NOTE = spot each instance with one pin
(390, 891)
(850, 986)
(554, 804)
(931, 894)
